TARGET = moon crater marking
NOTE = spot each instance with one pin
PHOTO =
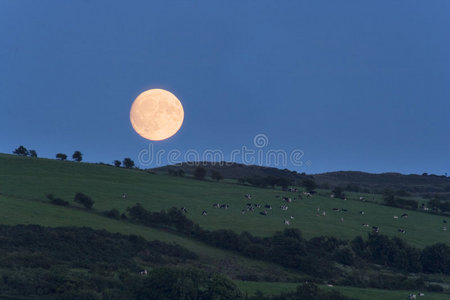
(156, 114)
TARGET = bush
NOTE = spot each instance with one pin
(84, 200)
(113, 213)
(61, 156)
(200, 173)
(57, 201)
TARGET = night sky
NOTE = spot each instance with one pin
(354, 85)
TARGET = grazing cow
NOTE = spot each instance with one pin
(286, 222)
(421, 294)
(332, 196)
(224, 206)
(342, 219)
(248, 196)
(402, 230)
(444, 228)
(268, 206)
(361, 198)
(124, 195)
(217, 205)
(183, 209)
(204, 213)
(444, 221)
(292, 218)
(143, 272)
(365, 225)
(289, 200)
(395, 217)
(376, 228)
(249, 204)
(264, 213)
(243, 211)
(318, 209)
(324, 213)
(404, 216)
(336, 209)
(329, 285)
(344, 209)
(361, 212)
(284, 207)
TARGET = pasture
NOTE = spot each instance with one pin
(275, 288)
(24, 179)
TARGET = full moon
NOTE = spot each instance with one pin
(156, 114)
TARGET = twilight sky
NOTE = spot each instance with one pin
(353, 85)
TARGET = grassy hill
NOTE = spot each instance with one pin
(24, 183)
(26, 179)
(412, 183)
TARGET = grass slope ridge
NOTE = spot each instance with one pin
(413, 183)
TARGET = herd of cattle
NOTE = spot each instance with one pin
(264, 210)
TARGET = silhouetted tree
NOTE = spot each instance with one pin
(337, 192)
(284, 182)
(128, 163)
(61, 156)
(180, 172)
(310, 185)
(33, 153)
(436, 258)
(216, 175)
(77, 156)
(117, 163)
(200, 173)
(21, 151)
(83, 199)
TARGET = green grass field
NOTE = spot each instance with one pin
(31, 179)
(275, 288)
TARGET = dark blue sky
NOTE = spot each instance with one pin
(354, 85)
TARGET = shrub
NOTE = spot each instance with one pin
(84, 200)
(57, 201)
(113, 213)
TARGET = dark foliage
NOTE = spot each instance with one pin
(216, 175)
(38, 262)
(57, 201)
(117, 163)
(61, 156)
(200, 173)
(309, 184)
(77, 156)
(84, 200)
(128, 163)
(113, 214)
(21, 151)
(338, 193)
(33, 153)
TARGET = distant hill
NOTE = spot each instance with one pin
(413, 183)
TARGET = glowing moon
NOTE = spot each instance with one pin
(156, 114)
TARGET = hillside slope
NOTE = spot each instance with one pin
(412, 183)
(26, 179)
